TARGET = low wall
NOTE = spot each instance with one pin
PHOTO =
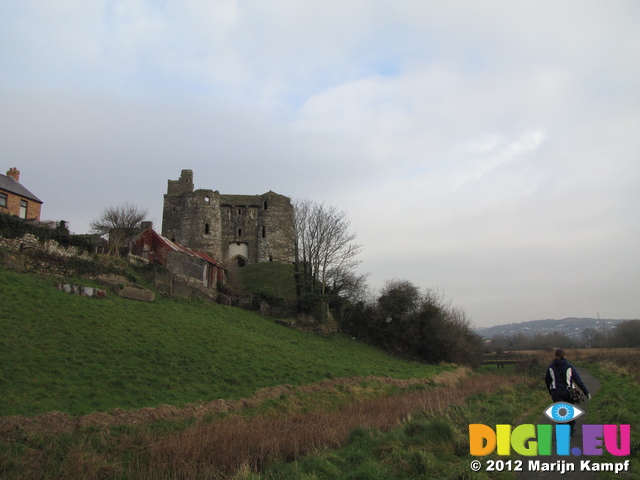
(30, 241)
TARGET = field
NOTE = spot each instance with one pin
(80, 355)
(176, 389)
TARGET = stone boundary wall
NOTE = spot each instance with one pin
(30, 241)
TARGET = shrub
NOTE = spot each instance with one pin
(416, 324)
(14, 227)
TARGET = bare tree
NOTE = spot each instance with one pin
(120, 223)
(325, 248)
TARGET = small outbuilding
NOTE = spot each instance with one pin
(188, 264)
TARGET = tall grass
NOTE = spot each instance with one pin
(223, 448)
(248, 445)
(618, 399)
(426, 444)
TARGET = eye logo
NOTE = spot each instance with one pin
(562, 412)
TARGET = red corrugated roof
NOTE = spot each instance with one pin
(181, 248)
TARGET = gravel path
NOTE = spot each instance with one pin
(593, 385)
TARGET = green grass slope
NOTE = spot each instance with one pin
(79, 355)
(271, 279)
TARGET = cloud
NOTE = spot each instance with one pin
(488, 149)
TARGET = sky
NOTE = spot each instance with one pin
(488, 150)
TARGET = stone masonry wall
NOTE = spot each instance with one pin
(29, 241)
(228, 227)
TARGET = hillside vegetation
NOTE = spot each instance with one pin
(79, 355)
(270, 280)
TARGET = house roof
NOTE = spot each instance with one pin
(176, 247)
(10, 185)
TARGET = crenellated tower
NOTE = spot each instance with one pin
(234, 229)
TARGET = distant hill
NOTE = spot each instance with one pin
(572, 327)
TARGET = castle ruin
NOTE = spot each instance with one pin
(234, 229)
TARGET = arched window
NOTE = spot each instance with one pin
(206, 229)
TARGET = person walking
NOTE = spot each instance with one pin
(560, 377)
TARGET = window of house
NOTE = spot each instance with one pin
(3, 199)
(23, 209)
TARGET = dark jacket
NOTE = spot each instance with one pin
(561, 375)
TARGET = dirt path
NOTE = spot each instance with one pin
(593, 385)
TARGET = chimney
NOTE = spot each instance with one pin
(14, 173)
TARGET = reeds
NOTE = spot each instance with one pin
(221, 449)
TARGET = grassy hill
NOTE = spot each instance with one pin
(269, 279)
(80, 355)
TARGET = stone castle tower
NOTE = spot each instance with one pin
(233, 229)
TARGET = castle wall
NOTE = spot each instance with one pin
(236, 229)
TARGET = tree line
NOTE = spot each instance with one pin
(401, 318)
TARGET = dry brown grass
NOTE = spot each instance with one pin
(220, 449)
(586, 353)
(61, 423)
(623, 361)
(225, 447)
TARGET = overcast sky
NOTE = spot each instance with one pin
(486, 149)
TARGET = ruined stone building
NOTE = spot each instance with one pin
(234, 229)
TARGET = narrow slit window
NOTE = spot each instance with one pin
(239, 232)
(206, 229)
(264, 232)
